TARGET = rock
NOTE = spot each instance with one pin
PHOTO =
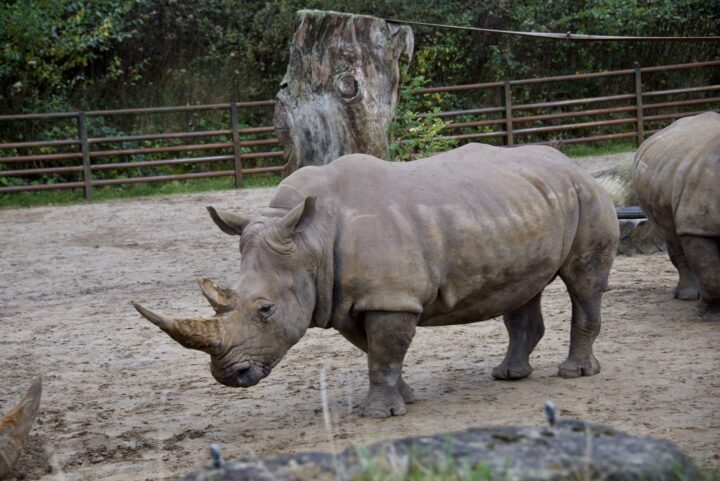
(639, 236)
(572, 450)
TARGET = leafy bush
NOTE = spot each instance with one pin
(417, 130)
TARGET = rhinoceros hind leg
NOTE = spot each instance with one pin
(703, 256)
(585, 326)
(585, 277)
(525, 328)
(388, 337)
(687, 288)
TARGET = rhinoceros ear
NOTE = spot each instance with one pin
(298, 218)
(228, 222)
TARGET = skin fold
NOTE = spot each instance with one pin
(375, 249)
(676, 174)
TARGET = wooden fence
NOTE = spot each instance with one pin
(504, 119)
(635, 113)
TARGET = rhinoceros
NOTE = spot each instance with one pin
(15, 426)
(375, 249)
(676, 174)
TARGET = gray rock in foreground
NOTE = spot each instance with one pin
(573, 450)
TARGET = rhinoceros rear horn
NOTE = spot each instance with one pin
(228, 222)
(219, 297)
(14, 427)
(202, 334)
(298, 217)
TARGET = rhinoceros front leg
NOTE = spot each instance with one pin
(525, 328)
(359, 339)
(687, 287)
(703, 256)
(388, 336)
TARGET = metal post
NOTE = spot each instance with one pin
(507, 100)
(639, 105)
(85, 146)
(236, 145)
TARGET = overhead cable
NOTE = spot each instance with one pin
(575, 37)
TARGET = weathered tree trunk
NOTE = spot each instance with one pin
(341, 86)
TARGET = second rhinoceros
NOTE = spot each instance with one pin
(375, 249)
(676, 174)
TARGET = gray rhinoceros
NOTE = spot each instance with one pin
(676, 174)
(15, 426)
(375, 249)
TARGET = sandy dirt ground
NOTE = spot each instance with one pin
(122, 401)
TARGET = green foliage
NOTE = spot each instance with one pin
(50, 48)
(118, 53)
(417, 130)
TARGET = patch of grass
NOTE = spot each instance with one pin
(599, 148)
(710, 474)
(74, 196)
(399, 470)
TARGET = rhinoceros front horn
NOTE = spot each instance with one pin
(202, 334)
(14, 427)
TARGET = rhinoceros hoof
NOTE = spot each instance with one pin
(383, 404)
(406, 392)
(510, 372)
(687, 293)
(576, 368)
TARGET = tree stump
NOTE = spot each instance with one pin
(341, 87)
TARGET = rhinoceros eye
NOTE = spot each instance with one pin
(266, 310)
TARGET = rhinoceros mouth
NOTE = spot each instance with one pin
(242, 374)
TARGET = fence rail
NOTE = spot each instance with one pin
(230, 149)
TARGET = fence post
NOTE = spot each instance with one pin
(236, 144)
(85, 147)
(639, 105)
(507, 101)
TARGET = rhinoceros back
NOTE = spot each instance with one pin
(677, 176)
(438, 235)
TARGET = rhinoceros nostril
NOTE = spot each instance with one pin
(244, 375)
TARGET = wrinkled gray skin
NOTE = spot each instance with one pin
(375, 249)
(676, 174)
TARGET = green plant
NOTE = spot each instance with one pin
(417, 130)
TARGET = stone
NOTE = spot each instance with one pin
(572, 450)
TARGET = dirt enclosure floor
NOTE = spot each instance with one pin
(122, 401)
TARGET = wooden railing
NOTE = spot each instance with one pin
(229, 147)
(228, 152)
(506, 117)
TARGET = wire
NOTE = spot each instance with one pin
(575, 37)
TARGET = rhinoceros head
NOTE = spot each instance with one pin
(270, 309)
